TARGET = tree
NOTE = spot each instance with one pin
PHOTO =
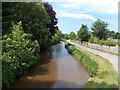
(57, 37)
(100, 29)
(34, 21)
(66, 36)
(53, 19)
(72, 36)
(116, 35)
(83, 33)
(19, 53)
(37, 19)
(8, 14)
(111, 34)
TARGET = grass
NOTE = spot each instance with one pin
(105, 77)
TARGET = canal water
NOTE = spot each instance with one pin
(57, 69)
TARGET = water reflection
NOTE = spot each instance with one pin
(69, 70)
(56, 69)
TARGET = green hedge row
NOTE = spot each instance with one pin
(91, 65)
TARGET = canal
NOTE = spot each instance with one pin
(56, 69)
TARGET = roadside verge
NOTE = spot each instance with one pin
(101, 70)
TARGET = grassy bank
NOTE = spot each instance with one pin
(101, 71)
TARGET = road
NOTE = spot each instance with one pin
(113, 59)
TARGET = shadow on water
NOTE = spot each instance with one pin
(56, 69)
(39, 76)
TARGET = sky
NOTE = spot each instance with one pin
(72, 13)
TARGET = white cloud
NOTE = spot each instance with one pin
(76, 15)
(100, 6)
(111, 21)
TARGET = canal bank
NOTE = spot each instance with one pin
(58, 70)
(101, 71)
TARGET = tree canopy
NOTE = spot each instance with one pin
(38, 19)
(83, 33)
(72, 35)
(100, 29)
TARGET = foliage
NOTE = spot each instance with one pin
(102, 73)
(113, 35)
(106, 77)
(36, 27)
(7, 16)
(18, 54)
(66, 36)
(100, 29)
(72, 36)
(83, 33)
(91, 65)
(38, 19)
(116, 35)
(56, 39)
(53, 19)
(22, 43)
(102, 42)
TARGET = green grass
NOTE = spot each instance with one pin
(101, 71)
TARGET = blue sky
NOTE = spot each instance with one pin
(72, 13)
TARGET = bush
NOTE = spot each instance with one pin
(91, 65)
(118, 43)
(109, 43)
(67, 44)
(56, 38)
(19, 53)
(101, 42)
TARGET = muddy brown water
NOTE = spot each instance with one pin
(56, 69)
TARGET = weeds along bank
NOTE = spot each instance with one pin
(101, 71)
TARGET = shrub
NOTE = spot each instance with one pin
(101, 42)
(109, 43)
(67, 44)
(56, 38)
(19, 53)
(118, 43)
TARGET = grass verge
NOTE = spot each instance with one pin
(101, 71)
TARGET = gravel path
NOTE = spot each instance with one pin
(113, 59)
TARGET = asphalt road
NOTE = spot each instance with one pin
(113, 59)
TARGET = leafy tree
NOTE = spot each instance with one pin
(34, 20)
(57, 37)
(53, 19)
(19, 53)
(8, 14)
(38, 19)
(72, 36)
(100, 29)
(116, 35)
(111, 34)
(66, 36)
(83, 33)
